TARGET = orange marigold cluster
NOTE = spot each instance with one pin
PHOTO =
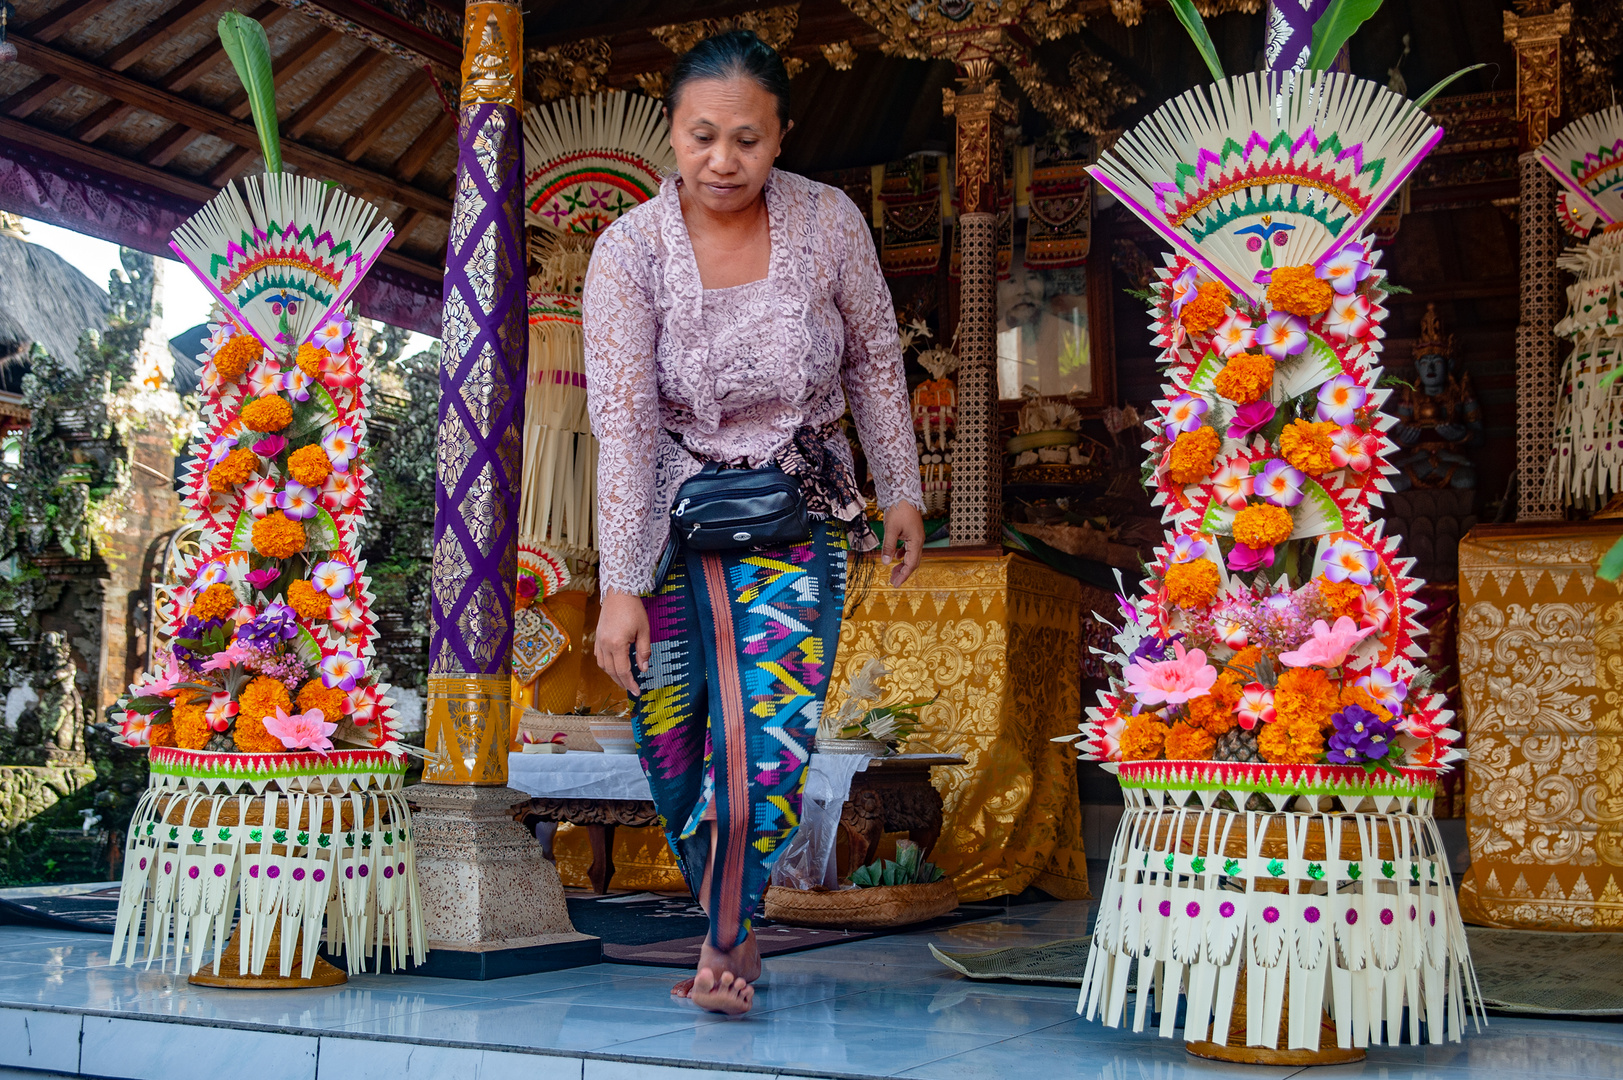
(1298, 290)
(1192, 585)
(307, 601)
(1187, 742)
(1306, 445)
(1206, 309)
(309, 359)
(1245, 378)
(1143, 737)
(215, 602)
(1192, 456)
(252, 737)
(1215, 711)
(1341, 597)
(277, 536)
(161, 735)
(1305, 696)
(1288, 742)
(309, 465)
(329, 699)
(1262, 525)
(237, 467)
(267, 414)
(191, 727)
(1240, 663)
(233, 359)
(262, 697)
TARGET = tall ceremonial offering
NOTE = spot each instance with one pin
(1586, 468)
(275, 775)
(1277, 747)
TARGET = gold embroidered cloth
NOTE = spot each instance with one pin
(1541, 665)
(999, 637)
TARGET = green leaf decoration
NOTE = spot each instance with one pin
(349, 839)
(310, 417)
(245, 43)
(256, 835)
(1204, 380)
(197, 836)
(1414, 871)
(1276, 868)
(1196, 26)
(280, 836)
(303, 837)
(1169, 864)
(366, 839)
(1315, 871)
(1338, 23)
(1388, 870)
(1315, 515)
(1425, 99)
(174, 833)
(225, 835)
(1198, 864)
(388, 838)
(151, 827)
(324, 840)
(1231, 867)
(1355, 870)
(1611, 563)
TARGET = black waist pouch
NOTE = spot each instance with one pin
(724, 509)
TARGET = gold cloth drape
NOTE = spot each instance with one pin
(999, 637)
(1541, 665)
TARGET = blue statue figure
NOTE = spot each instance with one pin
(1438, 419)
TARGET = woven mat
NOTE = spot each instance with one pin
(1519, 970)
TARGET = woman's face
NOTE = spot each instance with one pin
(726, 136)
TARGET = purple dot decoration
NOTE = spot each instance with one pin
(1311, 914)
(143, 862)
(298, 874)
(1433, 917)
(388, 871)
(1166, 908)
(1386, 916)
(168, 866)
(1226, 909)
(1193, 909)
(192, 873)
(400, 868)
(1412, 913)
(365, 870)
(1270, 914)
(1352, 917)
(253, 871)
(349, 872)
(274, 871)
(219, 870)
(319, 875)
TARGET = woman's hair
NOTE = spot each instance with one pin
(735, 54)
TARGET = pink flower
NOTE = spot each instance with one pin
(1233, 484)
(135, 728)
(302, 731)
(1354, 449)
(158, 682)
(225, 658)
(263, 576)
(1184, 287)
(1232, 632)
(1174, 681)
(1280, 483)
(346, 614)
(1284, 335)
(1256, 706)
(297, 384)
(340, 446)
(1234, 335)
(1250, 419)
(259, 497)
(265, 379)
(1186, 548)
(220, 711)
(1244, 559)
(342, 372)
(270, 445)
(1328, 646)
(1348, 317)
(1385, 687)
(1106, 741)
(1348, 560)
(343, 670)
(333, 334)
(1340, 399)
(366, 705)
(341, 491)
(1345, 269)
(332, 577)
(1375, 611)
(527, 586)
(1184, 413)
(297, 501)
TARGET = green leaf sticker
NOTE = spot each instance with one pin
(197, 836)
(174, 833)
(1276, 868)
(388, 838)
(1355, 870)
(1168, 862)
(280, 836)
(1389, 870)
(1198, 864)
(349, 839)
(1146, 858)
(1433, 870)
(151, 825)
(256, 835)
(1231, 867)
(324, 840)
(1414, 871)
(224, 834)
(366, 839)
(303, 837)
(1315, 871)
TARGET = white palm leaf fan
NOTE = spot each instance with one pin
(281, 253)
(1586, 157)
(588, 161)
(1266, 170)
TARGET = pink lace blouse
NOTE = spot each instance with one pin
(734, 372)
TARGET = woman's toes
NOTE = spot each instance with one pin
(683, 989)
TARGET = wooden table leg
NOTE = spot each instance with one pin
(863, 819)
(601, 872)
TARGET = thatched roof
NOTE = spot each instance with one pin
(45, 300)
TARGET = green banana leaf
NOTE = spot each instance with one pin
(1425, 99)
(1192, 22)
(1611, 564)
(245, 43)
(1338, 23)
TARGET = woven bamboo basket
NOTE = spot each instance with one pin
(876, 908)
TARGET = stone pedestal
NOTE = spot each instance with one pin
(493, 907)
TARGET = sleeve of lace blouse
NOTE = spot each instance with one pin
(874, 384)
(619, 329)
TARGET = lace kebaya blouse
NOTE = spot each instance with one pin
(734, 372)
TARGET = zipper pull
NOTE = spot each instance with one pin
(680, 507)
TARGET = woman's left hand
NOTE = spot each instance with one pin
(904, 528)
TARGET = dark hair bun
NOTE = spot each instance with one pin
(735, 54)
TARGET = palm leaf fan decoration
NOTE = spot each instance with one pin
(1264, 170)
(587, 160)
(1586, 156)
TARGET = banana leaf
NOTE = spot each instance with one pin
(1192, 22)
(1338, 23)
(245, 43)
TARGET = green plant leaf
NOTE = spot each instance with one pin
(1338, 23)
(1611, 564)
(1425, 99)
(245, 43)
(1192, 22)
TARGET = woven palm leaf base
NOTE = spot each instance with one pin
(230, 962)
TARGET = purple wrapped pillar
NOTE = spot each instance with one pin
(1289, 36)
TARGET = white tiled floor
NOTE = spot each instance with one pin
(866, 1009)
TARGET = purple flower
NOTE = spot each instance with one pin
(1184, 288)
(1280, 483)
(1125, 606)
(221, 449)
(1184, 413)
(191, 630)
(297, 501)
(1345, 269)
(1340, 399)
(1153, 649)
(1250, 419)
(1385, 687)
(1359, 735)
(276, 623)
(1244, 559)
(1283, 335)
(1187, 548)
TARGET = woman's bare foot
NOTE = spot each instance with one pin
(726, 993)
(683, 989)
(744, 961)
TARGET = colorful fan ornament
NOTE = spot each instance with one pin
(1586, 157)
(275, 772)
(1275, 741)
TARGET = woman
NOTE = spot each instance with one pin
(731, 319)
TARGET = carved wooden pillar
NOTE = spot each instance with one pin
(1536, 33)
(981, 112)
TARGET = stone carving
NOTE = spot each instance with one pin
(1439, 418)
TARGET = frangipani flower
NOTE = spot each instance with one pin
(346, 614)
(1348, 317)
(1328, 646)
(1283, 335)
(1232, 632)
(366, 705)
(297, 384)
(1244, 559)
(1354, 449)
(1233, 484)
(1385, 687)
(159, 682)
(265, 379)
(332, 577)
(1184, 413)
(1345, 269)
(343, 372)
(301, 731)
(333, 335)
(1184, 677)
(341, 491)
(212, 572)
(221, 449)
(1250, 419)
(297, 501)
(1280, 483)
(136, 728)
(1351, 561)
(1340, 399)
(1234, 335)
(259, 497)
(342, 669)
(220, 711)
(1256, 706)
(1375, 611)
(1187, 548)
(1106, 743)
(1184, 287)
(340, 446)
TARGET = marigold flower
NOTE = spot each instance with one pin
(1299, 290)
(1215, 711)
(191, 727)
(309, 465)
(214, 602)
(1309, 445)
(161, 735)
(1143, 738)
(277, 536)
(1208, 307)
(1263, 526)
(1245, 378)
(309, 359)
(237, 467)
(332, 701)
(267, 414)
(308, 601)
(1291, 743)
(1192, 456)
(1192, 585)
(252, 738)
(1305, 696)
(1188, 742)
(1342, 598)
(262, 697)
(235, 356)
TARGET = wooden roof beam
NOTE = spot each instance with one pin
(422, 148)
(100, 122)
(168, 146)
(62, 18)
(300, 56)
(51, 61)
(130, 51)
(31, 96)
(408, 225)
(397, 30)
(328, 97)
(642, 22)
(384, 116)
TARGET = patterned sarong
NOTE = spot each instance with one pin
(743, 642)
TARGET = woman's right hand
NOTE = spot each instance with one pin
(622, 624)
